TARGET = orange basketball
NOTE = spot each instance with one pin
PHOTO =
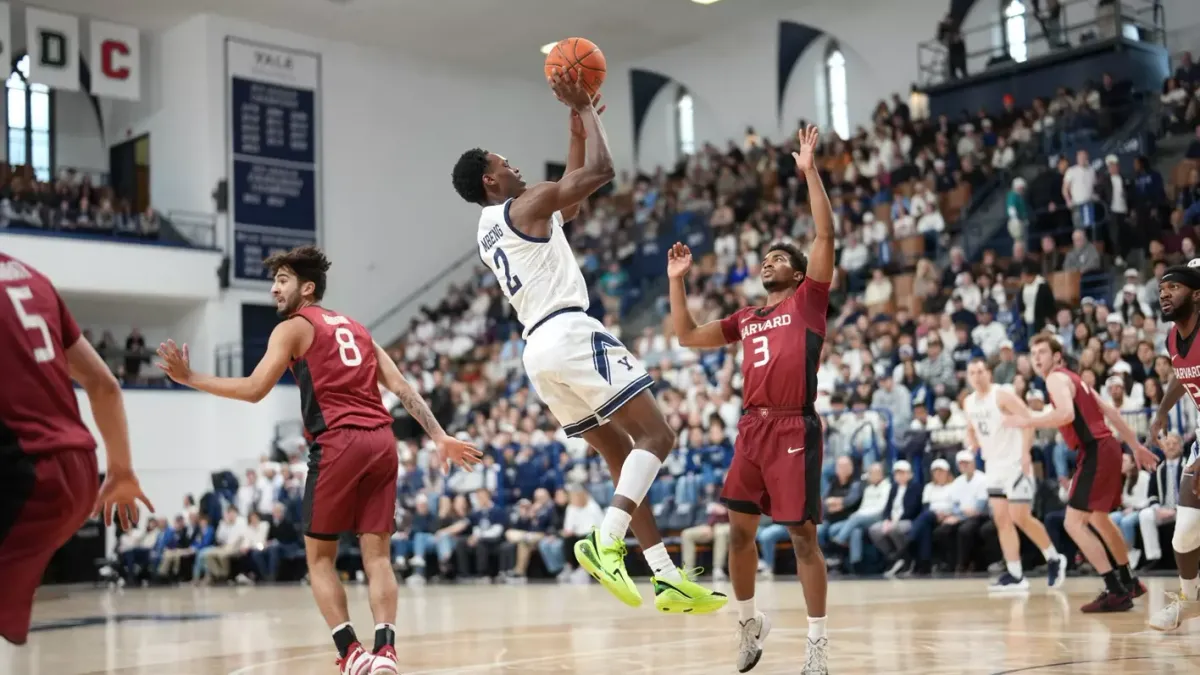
(582, 55)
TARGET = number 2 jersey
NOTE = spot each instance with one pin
(539, 276)
(781, 348)
(38, 409)
(338, 375)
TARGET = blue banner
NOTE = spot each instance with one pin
(274, 158)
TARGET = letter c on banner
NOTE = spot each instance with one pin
(109, 51)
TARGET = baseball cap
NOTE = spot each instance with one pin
(1112, 159)
(1115, 379)
(942, 403)
(1114, 318)
(1087, 301)
(965, 456)
(1131, 272)
(1121, 367)
(902, 465)
(940, 463)
(1007, 344)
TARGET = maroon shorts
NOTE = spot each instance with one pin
(44, 500)
(1096, 485)
(776, 467)
(351, 483)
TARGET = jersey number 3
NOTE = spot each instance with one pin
(18, 295)
(762, 351)
(512, 282)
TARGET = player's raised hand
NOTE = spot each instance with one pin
(453, 451)
(1155, 434)
(1144, 458)
(121, 493)
(809, 137)
(569, 89)
(679, 261)
(175, 362)
(577, 128)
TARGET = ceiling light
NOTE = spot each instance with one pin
(705, 2)
(547, 47)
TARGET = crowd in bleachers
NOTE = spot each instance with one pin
(909, 309)
(70, 203)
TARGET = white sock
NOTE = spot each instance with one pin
(381, 626)
(1014, 568)
(1050, 553)
(660, 562)
(637, 473)
(746, 610)
(341, 626)
(816, 627)
(1190, 588)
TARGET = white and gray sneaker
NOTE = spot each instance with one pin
(1171, 616)
(816, 657)
(751, 634)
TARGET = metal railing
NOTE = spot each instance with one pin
(1077, 23)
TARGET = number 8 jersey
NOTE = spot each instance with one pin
(539, 276)
(338, 375)
(781, 348)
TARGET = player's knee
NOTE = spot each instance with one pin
(804, 540)
(658, 440)
(740, 538)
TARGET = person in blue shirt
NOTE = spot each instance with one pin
(487, 525)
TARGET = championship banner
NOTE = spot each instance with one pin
(116, 60)
(53, 43)
(274, 152)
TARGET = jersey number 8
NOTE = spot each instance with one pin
(512, 282)
(347, 349)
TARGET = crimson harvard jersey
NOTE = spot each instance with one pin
(781, 347)
(1089, 425)
(38, 409)
(337, 376)
(1185, 362)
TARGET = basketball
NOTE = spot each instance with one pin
(584, 56)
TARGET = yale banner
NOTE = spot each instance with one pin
(115, 60)
(53, 43)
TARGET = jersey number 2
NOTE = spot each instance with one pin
(347, 349)
(762, 350)
(512, 282)
(18, 295)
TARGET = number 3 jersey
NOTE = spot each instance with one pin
(539, 276)
(781, 348)
(338, 375)
(38, 409)
(1185, 362)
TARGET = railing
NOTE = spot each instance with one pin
(416, 295)
(1078, 22)
(197, 229)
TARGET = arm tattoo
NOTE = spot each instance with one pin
(416, 406)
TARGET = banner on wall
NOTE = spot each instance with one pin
(116, 60)
(274, 155)
(53, 43)
(6, 52)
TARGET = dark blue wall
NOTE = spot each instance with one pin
(1146, 65)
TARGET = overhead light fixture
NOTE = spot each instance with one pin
(548, 46)
(706, 2)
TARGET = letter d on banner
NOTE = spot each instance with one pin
(53, 41)
(116, 61)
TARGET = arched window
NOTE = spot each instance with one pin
(1014, 30)
(685, 123)
(29, 119)
(835, 89)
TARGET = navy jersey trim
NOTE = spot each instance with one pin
(625, 396)
(581, 427)
(551, 315)
(526, 237)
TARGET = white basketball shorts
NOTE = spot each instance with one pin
(581, 372)
(1007, 480)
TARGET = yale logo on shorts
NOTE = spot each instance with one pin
(773, 322)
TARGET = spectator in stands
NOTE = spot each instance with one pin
(891, 534)
(1078, 190)
(283, 542)
(895, 398)
(253, 541)
(1163, 496)
(1135, 497)
(227, 545)
(971, 505)
(454, 522)
(714, 530)
(770, 535)
(182, 546)
(488, 522)
(1018, 210)
(1082, 257)
(939, 510)
(989, 334)
(580, 517)
(1115, 192)
(524, 535)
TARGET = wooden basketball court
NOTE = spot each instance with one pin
(909, 626)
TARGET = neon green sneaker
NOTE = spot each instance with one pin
(687, 596)
(606, 564)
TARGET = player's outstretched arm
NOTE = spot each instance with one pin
(531, 211)
(577, 152)
(1142, 456)
(450, 449)
(285, 341)
(710, 335)
(1175, 391)
(1061, 412)
(120, 491)
(820, 259)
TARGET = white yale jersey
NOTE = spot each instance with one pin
(538, 276)
(998, 443)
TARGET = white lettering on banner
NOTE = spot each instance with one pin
(117, 59)
(773, 322)
(53, 42)
(271, 186)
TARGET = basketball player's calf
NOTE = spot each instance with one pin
(810, 567)
(1117, 597)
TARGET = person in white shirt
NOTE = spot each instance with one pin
(890, 535)
(1079, 189)
(937, 498)
(582, 514)
(1164, 490)
(227, 544)
(1135, 498)
(879, 288)
(970, 490)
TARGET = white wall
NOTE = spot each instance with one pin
(179, 437)
(78, 141)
